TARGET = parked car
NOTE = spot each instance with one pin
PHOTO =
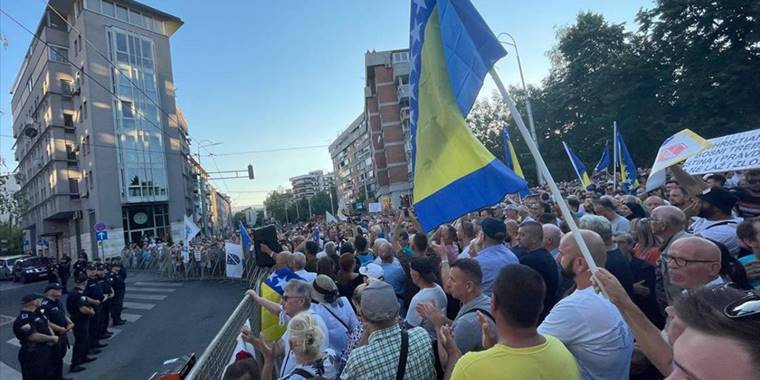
(30, 268)
(6, 266)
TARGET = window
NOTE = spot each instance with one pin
(92, 183)
(84, 109)
(73, 186)
(29, 85)
(58, 54)
(109, 9)
(68, 120)
(126, 109)
(136, 18)
(66, 87)
(87, 145)
(79, 38)
(121, 13)
(401, 56)
(93, 5)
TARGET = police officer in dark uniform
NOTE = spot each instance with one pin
(123, 270)
(105, 286)
(95, 296)
(81, 264)
(64, 271)
(52, 309)
(53, 275)
(81, 313)
(119, 288)
(32, 331)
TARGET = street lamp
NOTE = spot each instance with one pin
(513, 43)
(203, 144)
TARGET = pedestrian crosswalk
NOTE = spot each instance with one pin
(140, 297)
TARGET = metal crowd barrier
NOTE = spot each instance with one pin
(215, 358)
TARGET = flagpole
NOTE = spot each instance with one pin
(572, 162)
(615, 156)
(544, 170)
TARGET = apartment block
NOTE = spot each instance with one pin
(386, 111)
(351, 156)
(308, 185)
(98, 140)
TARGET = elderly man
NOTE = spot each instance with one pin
(552, 236)
(653, 202)
(380, 357)
(693, 262)
(393, 272)
(298, 265)
(466, 232)
(667, 224)
(616, 262)
(586, 322)
(295, 299)
(605, 206)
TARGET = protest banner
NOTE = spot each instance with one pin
(234, 253)
(739, 151)
(673, 150)
(375, 207)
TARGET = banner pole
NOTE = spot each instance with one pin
(545, 172)
(615, 155)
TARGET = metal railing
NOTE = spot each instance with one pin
(216, 357)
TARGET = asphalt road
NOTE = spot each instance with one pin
(165, 320)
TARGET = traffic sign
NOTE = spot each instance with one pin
(42, 243)
(100, 227)
(101, 235)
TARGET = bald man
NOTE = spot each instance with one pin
(694, 262)
(667, 224)
(587, 323)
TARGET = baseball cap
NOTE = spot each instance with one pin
(53, 286)
(719, 197)
(379, 303)
(30, 297)
(372, 270)
(494, 228)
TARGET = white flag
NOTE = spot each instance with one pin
(234, 256)
(329, 218)
(191, 229)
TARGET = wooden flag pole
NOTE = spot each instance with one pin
(544, 170)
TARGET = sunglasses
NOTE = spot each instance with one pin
(286, 298)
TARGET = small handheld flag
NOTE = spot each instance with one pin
(580, 169)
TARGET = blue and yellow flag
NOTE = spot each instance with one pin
(604, 162)
(272, 289)
(245, 241)
(451, 50)
(580, 169)
(510, 156)
(629, 174)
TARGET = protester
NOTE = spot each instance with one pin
(587, 323)
(748, 233)
(531, 252)
(463, 285)
(552, 236)
(605, 206)
(467, 232)
(679, 197)
(392, 271)
(653, 202)
(423, 273)
(363, 255)
(693, 262)
(335, 310)
(298, 265)
(615, 261)
(667, 224)
(347, 278)
(381, 357)
(245, 369)
(492, 255)
(521, 352)
(715, 221)
(748, 205)
(305, 340)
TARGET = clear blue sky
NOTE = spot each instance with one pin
(273, 74)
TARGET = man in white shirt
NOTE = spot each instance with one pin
(587, 323)
(552, 236)
(693, 262)
(715, 221)
(298, 265)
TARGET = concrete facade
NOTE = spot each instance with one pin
(351, 156)
(308, 185)
(93, 145)
(387, 114)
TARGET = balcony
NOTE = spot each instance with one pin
(404, 113)
(402, 91)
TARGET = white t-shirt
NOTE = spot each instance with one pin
(594, 332)
(337, 332)
(306, 275)
(435, 294)
(722, 231)
(289, 358)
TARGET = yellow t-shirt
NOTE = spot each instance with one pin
(548, 361)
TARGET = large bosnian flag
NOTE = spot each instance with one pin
(451, 50)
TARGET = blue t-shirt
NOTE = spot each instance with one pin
(491, 260)
(746, 260)
(393, 274)
(365, 258)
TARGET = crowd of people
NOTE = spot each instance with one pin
(506, 293)
(202, 258)
(91, 305)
